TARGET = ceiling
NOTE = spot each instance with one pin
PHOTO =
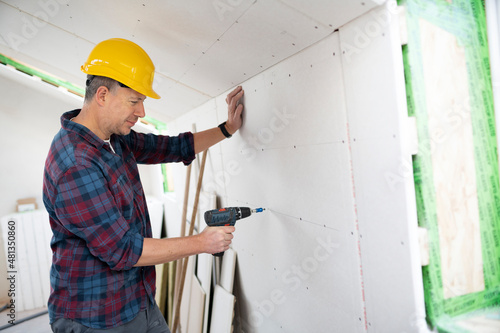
(201, 48)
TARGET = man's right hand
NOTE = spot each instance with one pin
(217, 239)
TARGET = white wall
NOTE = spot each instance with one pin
(323, 132)
(30, 114)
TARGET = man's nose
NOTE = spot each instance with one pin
(140, 111)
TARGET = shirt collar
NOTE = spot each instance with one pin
(79, 129)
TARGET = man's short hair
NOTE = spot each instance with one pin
(95, 81)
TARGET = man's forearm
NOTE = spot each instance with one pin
(206, 139)
(159, 251)
(210, 240)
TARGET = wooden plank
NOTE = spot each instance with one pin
(453, 165)
(223, 311)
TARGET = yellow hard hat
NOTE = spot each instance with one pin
(125, 62)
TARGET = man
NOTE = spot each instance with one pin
(102, 275)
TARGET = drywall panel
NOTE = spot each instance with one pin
(155, 209)
(227, 270)
(269, 31)
(204, 274)
(292, 157)
(196, 307)
(384, 195)
(223, 309)
(184, 312)
(173, 215)
(293, 276)
(294, 128)
(327, 11)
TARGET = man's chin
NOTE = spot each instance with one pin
(124, 131)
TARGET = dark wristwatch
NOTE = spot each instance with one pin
(224, 130)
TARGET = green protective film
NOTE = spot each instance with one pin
(44, 76)
(466, 20)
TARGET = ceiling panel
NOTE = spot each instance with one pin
(268, 33)
(332, 13)
(200, 48)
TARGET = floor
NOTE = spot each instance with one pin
(39, 324)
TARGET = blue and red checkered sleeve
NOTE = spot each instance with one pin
(153, 149)
(86, 207)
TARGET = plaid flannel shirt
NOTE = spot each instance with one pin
(99, 219)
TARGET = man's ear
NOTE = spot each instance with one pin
(101, 95)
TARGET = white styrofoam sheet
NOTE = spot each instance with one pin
(382, 171)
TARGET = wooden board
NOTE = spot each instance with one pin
(452, 154)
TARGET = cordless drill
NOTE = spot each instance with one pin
(228, 216)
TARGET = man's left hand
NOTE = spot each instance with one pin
(234, 110)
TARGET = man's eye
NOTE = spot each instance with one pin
(134, 102)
